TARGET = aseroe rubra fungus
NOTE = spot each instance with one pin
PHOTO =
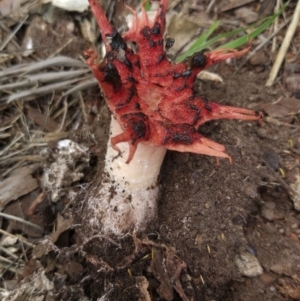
(151, 98)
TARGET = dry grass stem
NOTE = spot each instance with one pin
(21, 220)
(276, 24)
(262, 44)
(91, 82)
(82, 106)
(13, 142)
(284, 46)
(9, 37)
(21, 239)
(7, 252)
(25, 159)
(9, 267)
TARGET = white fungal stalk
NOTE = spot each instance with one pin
(126, 199)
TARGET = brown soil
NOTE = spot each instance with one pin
(210, 214)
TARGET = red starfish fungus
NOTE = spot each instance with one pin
(152, 98)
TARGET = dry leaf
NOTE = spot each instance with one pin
(62, 224)
(19, 183)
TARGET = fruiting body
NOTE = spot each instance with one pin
(153, 101)
(151, 98)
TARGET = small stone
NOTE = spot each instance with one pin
(272, 159)
(267, 278)
(259, 69)
(262, 133)
(259, 59)
(247, 15)
(294, 226)
(272, 289)
(253, 98)
(295, 195)
(248, 265)
(267, 211)
(198, 239)
(281, 230)
(282, 268)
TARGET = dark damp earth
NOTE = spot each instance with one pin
(212, 216)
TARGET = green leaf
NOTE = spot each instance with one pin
(246, 38)
(202, 42)
(148, 6)
(203, 38)
(196, 48)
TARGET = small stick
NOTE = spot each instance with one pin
(65, 112)
(274, 43)
(23, 240)
(210, 5)
(82, 106)
(262, 44)
(13, 33)
(285, 45)
(7, 252)
(21, 220)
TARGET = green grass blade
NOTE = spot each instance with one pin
(202, 42)
(196, 48)
(203, 37)
(148, 6)
(245, 39)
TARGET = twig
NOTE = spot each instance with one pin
(61, 48)
(7, 252)
(6, 41)
(5, 260)
(82, 106)
(65, 112)
(100, 236)
(285, 45)
(23, 240)
(276, 9)
(15, 140)
(21, 220)
(210, 5)
(82, 86)
(41, 90)
(262, 44)
(62, 110)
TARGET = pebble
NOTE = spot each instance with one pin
(294, 226)
(248, 265)
(271, 158)
(267, 211)
(198, 240)
(259, 58)
(272, 288)
(262, 133)
(247, 15)
(267, 278)
(253, 98)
